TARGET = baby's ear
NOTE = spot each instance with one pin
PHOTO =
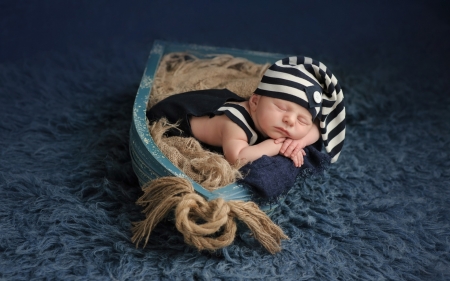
(253, 101)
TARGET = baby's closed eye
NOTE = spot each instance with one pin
(302, 120)
(281, 108)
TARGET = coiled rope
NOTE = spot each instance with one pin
(206, 225)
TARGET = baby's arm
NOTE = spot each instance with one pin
(236, 148)
(239, 150)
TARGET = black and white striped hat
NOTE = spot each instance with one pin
(310, 84)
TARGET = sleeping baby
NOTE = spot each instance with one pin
(297, 103)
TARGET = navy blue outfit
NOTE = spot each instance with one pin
(212, 102)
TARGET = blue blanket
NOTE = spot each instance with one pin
(69, 72)
(272, 177)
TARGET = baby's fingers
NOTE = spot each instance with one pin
(294, 148)
(285, 146)
(297, 159)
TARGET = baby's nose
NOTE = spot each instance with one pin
(289, 119)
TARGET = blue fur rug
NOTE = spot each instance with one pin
(68, 191)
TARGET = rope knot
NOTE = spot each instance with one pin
(205, 224)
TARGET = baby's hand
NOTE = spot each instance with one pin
(292, 149)
(298, 158)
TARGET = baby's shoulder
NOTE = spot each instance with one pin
(231, 130)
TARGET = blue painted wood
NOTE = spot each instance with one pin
(147, 159)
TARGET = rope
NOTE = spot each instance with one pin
(206, 225)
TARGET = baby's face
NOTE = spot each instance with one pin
(277, 118)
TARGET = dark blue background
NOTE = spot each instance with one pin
(332, 28)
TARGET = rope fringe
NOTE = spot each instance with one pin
(206, 225)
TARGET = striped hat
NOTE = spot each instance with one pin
(310, 84)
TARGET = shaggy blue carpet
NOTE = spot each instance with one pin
(68, 191)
